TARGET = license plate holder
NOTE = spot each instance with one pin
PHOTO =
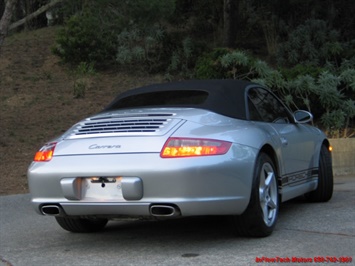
(102, 188)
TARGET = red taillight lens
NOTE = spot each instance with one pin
(45, 154)
(187, 147)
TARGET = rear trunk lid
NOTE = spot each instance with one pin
(119, 132)
(138, 130)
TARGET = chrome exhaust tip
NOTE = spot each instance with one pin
(51, 210)
(164, 211)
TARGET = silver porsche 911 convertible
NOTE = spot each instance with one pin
(190, 148)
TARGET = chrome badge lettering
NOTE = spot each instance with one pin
(95, 146)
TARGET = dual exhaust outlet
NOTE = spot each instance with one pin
(164, 211)
(156, 210)
(51, 210)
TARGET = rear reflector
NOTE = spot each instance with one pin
(187, 147)
(45, 154)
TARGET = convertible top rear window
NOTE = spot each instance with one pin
(163, 98)
(225, 97)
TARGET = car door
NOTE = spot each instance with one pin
(294, 141)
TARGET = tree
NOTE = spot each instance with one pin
(8, 12)
(6, 19)
(41, 10)
(230, 23)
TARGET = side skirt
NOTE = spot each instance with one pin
(296, 184)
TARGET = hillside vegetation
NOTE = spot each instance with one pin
(37, 100)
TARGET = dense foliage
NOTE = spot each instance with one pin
(303, 51)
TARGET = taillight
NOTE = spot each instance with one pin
(187, 147)
(45, 154)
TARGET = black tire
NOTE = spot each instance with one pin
(81, 225)
(259, 219)
(324, 190)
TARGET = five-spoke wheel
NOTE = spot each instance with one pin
(268, 193)
(260, 217)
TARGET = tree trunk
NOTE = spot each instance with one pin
(230, 23)
(6, 19)
(34, 14)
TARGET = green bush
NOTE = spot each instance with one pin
(209, 65)
(82, 73)
(85, 39)
(183, 59)
(224, 63)
(313, 42)
(141, 47)
(79, 89)
(301, 69)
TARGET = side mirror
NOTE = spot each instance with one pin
(302, 116)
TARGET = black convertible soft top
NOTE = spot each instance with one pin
(226, 97)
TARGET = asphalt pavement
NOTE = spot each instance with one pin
(307, 234)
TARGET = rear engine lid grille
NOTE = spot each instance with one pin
(114, 125)
(118, 126)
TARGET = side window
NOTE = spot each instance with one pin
(263, 106)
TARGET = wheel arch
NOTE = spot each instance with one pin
(325, 143)
(269, 150)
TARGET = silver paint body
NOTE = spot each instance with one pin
(207, 185)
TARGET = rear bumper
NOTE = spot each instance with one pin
(136, 209)
(211, 185)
